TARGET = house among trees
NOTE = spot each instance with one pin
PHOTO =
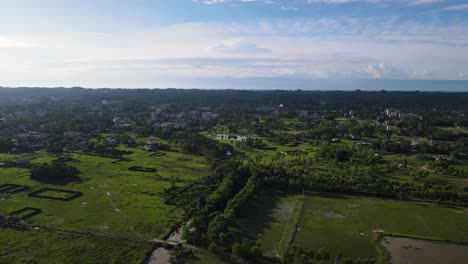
(71, 134)
(303, 114)
(157, 125)
(206, 116)
(193, 114)
(151, 144)
(112, 142)
(122, 122)
(392, 113)
(154, 115)
(241, 138)
(180, 125)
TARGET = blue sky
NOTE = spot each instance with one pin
(215, 43)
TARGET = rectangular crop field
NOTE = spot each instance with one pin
(343, 223)
(347, 223)
(55, 194)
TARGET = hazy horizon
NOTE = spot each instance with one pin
(304, 84)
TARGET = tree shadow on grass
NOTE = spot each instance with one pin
(328, 195)
(257, 216)
(59, 181)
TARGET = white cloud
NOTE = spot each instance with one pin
(238, 46)
(293, 5)
(211, 2)
(462, 76)
(343, 1)
(309, 48)
(411, 2)
(425, 2)
(452, 8)
(382, 71)
(12, 43)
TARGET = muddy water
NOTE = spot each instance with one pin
(176, 237)
(416, 251)
(160, 256)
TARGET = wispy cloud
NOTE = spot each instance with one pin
(452, 8)
(381, 45)
(288, 4)
(462, 76)
(211, 2)
(238, 46)
(382, 71)
(374, 47)
(13, 43)
(425, 2)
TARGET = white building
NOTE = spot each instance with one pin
(71, 134)
(222, 136)
(392, 113)
(241, 138)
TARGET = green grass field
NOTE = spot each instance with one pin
(115, 199)
(344, 223)
(267, 218)
(44, 247)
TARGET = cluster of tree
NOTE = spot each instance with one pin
(298, 255)
(55, 172)
(102, 148)
(324, 131)
(195, 144)
(350, 178)
(355, 154)
(231, 178)
(180, 255)
(419, 174)
(247, 248)
(220, 222)
(252, 143)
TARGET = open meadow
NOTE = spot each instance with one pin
(40, 247)
(114, 199)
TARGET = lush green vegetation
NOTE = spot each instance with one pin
(240, 171)
(115, 199)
